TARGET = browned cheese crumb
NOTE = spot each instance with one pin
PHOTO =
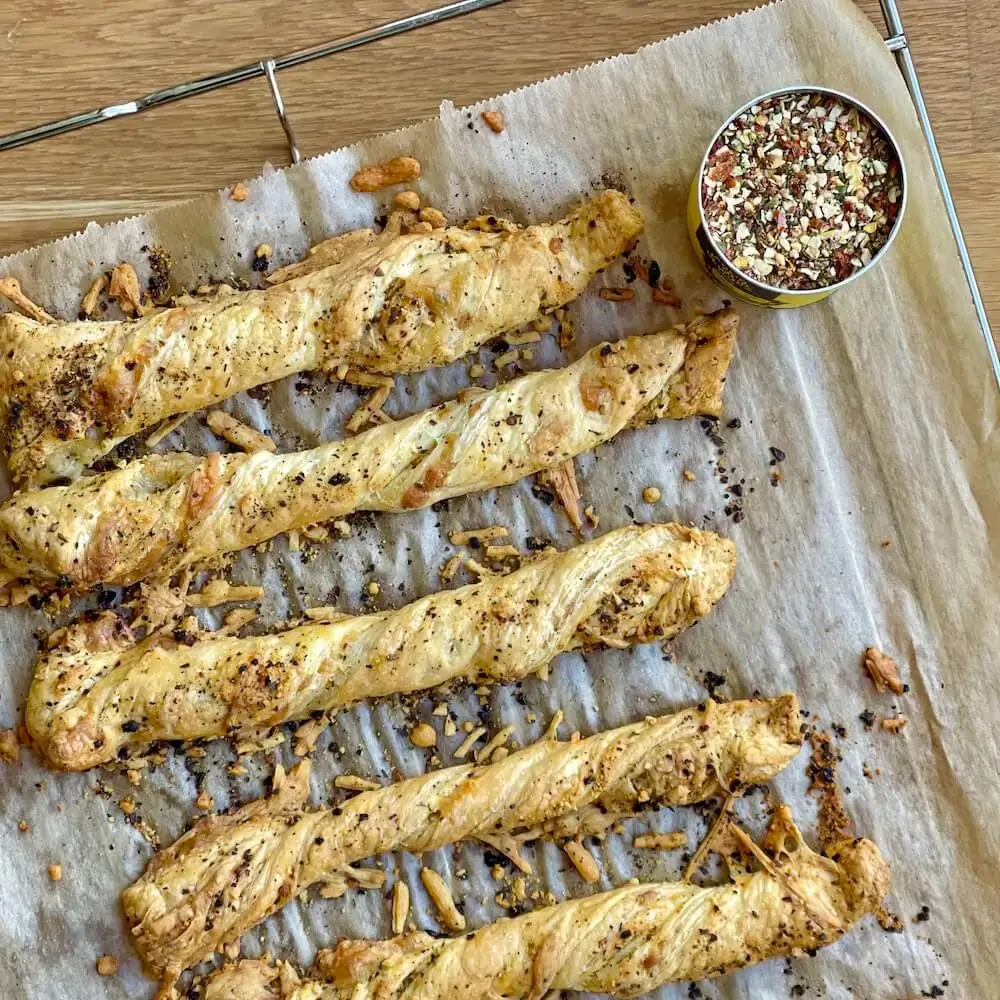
(895, 724)
(433, 216)
(661, 841)
(124, 289)
(375, 176)
(888, 920)
(205, 802)
(23, 825)
(107, 965)
(494, 120)
(238, 433)
(664, 298)
(55, 872)
(651, 494)
(616, 294)
(89, 302)
(10, 747)
(834, 823)
(10, 289)
(688, 475)
(883, 671)
(239, 192)
(444, 903)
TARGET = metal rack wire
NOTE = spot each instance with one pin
(269, 68)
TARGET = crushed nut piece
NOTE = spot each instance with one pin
(375, 176)
(661, 841)
(895, 724)
(651, 494)
(10, 747)
(467, 744)
(449, 727)
(423, 735)
(407, 200)
(205, 802)
(616, 294)
(10, 289)
(478, 535)
(107, 965)
(55, 872)
(506, 359)
(89, 301)
(400, 907)
(476, 370)
(498, 740)
(433, 216)
(440, 710)
(494, 120)
(883, 671)
(583, 861)
(443, 900)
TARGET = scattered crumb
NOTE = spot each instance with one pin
(494, 120)
(467, 744)
(239, 192)
(10, 747)
(89, 301)
(107, 965)
(408, 201)
(375, 176)
(450, 568)
(205, 802)
(238, 433)
(443, 900)
(562, 481)
(651, 494)
(24, 826)
(661, 841)
(476, 536)
(423, 735)
(567, 333)
(664, 298)
(262, 257)
(449, 727)
(219, 591)
(883, 671)
(55, 872)
(591, 515)
(124, 289)
(342, 528)
(888, 920)
(433, 216)
(421, 227)
(895, 724)
(885, 544)
(476, 370)
(355, 783)
(400, 906)
(834, 823)
(307, 734)
(10, 289)
(688, 475)
(616, 294)
(127, 805)
(498, 740)
(583, 861)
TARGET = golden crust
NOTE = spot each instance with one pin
(229, 872)
(69, 392)
(162, 513)
(624, 943)
(97, 691)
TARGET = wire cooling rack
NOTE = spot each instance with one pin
(896, 42)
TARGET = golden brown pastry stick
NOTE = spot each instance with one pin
(70, 392)
(229, 872)
(622, 943)
(97, 692)
(163, 512)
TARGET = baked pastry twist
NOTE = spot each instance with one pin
(70, 392)
(229, 872)
(622, 943)
(161, 513)
(97, 692)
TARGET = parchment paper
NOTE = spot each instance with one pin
(883, 530)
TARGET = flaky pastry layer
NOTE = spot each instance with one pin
(230, 872)
(97, 692)
(164, 512)
(70, 392)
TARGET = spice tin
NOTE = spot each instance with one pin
(742, 285)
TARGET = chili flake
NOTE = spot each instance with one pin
(801, 190)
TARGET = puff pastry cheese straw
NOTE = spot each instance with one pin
(98, 692)
(163, 512)
(622, 943)
(70, 392)
(229, 872)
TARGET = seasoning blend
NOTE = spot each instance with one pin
(802, 190)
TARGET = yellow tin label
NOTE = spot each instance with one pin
(720, 271)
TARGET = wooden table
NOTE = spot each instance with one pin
(64, 57)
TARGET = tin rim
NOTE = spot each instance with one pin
(795, 293)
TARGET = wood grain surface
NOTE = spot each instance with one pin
(67, 56)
